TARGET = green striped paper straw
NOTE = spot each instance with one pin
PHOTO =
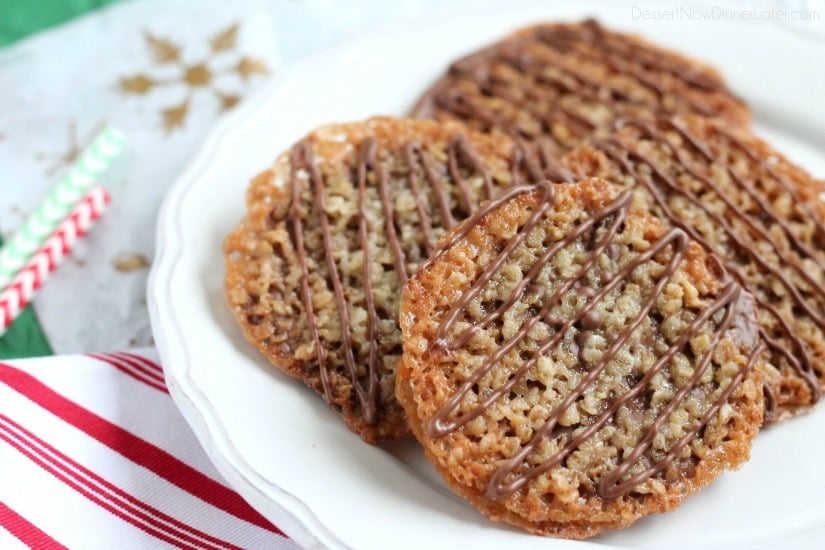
(86, 170)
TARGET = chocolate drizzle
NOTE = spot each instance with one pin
(449, 188)
(663, 185)
(517, 471)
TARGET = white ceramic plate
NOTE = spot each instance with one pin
(279, 445)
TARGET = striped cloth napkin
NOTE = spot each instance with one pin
(95, 454)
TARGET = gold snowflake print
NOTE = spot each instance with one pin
(75, 145)
(194, 77)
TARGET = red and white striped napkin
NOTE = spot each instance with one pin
(94, 454)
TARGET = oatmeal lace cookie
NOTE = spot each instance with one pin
(551, 86)
(332, 232)
(572, 364)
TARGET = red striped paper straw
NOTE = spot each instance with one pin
(31, 277)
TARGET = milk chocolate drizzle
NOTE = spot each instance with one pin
(450, 190)
(513, 474)
(544, 81)
(662, 185)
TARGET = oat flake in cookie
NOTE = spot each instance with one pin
(572, 364)
(757, 211)
(554, 85)
(333, 230)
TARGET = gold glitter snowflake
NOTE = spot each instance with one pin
(193, 77)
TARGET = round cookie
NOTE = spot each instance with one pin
(571, 364)
(333, 230)
(761, 214)
(554, 85)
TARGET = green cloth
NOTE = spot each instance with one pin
(20, 18)
(24, 338)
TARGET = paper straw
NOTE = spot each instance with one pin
(81, 176)
(26, 283)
